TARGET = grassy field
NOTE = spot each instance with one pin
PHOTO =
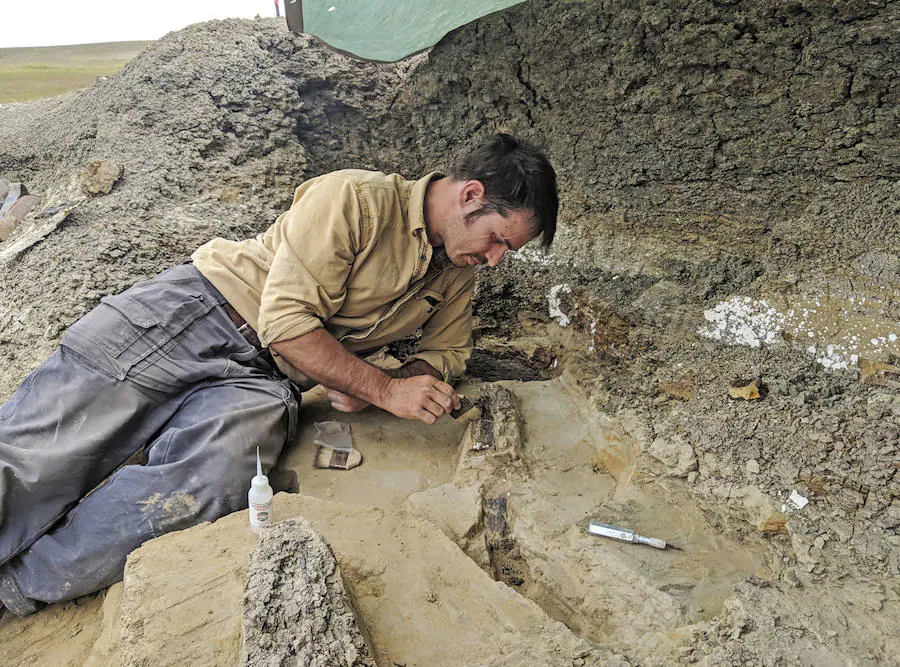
(44, 71)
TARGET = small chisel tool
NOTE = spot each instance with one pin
(465, 406)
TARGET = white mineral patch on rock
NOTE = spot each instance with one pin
(533, 256)
(835, 357)
(553, 301)
(794, 502)
(742, 320)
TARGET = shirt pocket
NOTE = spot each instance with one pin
(429, 301)
(396, 322)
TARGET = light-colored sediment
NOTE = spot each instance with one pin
(426, 572)
(423, 601)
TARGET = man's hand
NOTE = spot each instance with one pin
(420, 397)
(323, 359)
(346, 403)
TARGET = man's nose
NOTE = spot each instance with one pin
(494, 255)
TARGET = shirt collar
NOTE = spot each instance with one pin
(440, 261)
(416, 211)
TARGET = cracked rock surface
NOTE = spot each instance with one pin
(296, 609)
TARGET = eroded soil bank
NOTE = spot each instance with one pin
(729, 174)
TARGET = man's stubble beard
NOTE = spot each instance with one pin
(462, 224)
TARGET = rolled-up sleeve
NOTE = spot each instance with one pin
(446, 342)
(306, 284)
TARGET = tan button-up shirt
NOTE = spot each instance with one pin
(350, 255)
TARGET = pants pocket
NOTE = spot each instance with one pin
(129, 330)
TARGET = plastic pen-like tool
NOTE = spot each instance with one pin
(627, 535)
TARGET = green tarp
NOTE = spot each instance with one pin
(390, 29)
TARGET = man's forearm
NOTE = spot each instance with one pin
(414, 367)
(349, 403)
(324, 360)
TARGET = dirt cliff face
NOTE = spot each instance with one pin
(213, 128)
(730, 196)
(729, 173)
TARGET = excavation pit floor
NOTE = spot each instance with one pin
(574, 467)
(579, 467)
(570, 452)
(400, 457)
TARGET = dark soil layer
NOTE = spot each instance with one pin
(506, 365)
(704, 150)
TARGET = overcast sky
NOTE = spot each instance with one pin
(52, 22)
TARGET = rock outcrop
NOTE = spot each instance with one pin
(296, 609)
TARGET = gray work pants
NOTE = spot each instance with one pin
(161, 367)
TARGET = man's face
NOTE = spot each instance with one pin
(471, 240)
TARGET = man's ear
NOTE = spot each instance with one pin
(471, 195)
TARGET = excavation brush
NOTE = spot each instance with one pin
(627, 535)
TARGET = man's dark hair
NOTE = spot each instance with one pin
(516, 175)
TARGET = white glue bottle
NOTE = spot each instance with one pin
(260, 499)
